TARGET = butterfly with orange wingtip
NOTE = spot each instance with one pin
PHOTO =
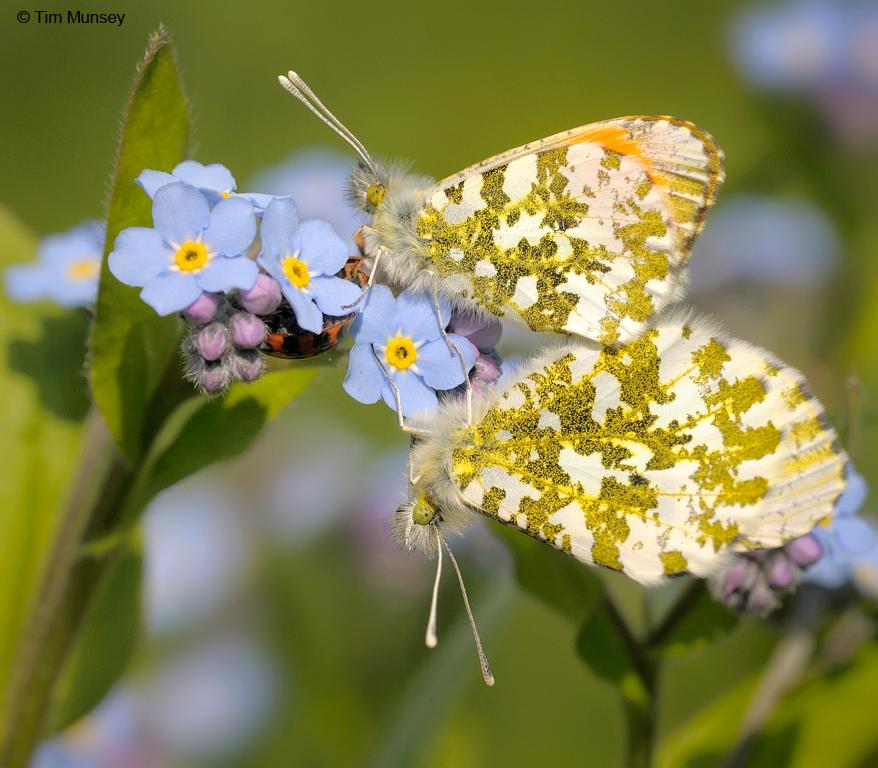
(587, 232)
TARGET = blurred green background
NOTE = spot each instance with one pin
(320, 624)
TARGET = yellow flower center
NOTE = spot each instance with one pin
(191, 256)
(401, 352)
(296, 271)
(226, 195)
(83, 269)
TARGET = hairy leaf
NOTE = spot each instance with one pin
(130, 344)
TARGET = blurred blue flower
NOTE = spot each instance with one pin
(849, 543)
(214, 181)
(792, 45)
(316, 179)
(212, 700)
(824, 49)
(762, 239)
(191, 249)
(67, 269)
(304, 258)
(407, 339)
(198, 553)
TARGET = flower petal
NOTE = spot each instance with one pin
(322, 249)
(440, 367)
(215, 176)
(153, 181)
(232, 227)
(333, 294)
(138, 255)
(308, 316)
(279, 227)
(854, 496)
(170, 292)
(223, 274)
(414, 394)
(258, 201)
(378, 318)
(83, 242)
(180, 212)
(76, 293)
(364, 379)
(27, 282)
(418, 316)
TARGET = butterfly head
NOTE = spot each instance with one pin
(368, 186)
(414, 522)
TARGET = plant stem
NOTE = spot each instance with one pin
(639, 694)
(640, 718)
(64, 594)
(677, 611)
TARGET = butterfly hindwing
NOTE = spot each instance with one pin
(655, 458)
(586, 232)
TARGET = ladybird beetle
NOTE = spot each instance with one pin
(287, 340)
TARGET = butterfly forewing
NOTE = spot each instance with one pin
(655, 458)
(586, 232)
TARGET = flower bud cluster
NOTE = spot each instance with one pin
(225, 334)
(757, 581)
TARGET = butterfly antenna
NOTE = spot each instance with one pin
(299, 88)
(483, 660)
(431, 638)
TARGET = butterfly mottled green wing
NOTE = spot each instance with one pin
(658, 457)
(586, 232)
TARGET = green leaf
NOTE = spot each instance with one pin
(707, 738)
(131, 346)
(104, 643)
(205, 430)
(42, 393)
(557, 579)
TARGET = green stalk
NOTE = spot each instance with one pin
(63, 598)
(638, 691)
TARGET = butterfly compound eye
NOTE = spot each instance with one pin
(375, 194)
(423, 512)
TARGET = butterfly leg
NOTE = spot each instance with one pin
(452, 347)
(357, 236)
(371, 280)
(399, 417)
(413, 478)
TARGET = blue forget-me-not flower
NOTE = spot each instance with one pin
(67, 269)
(214, 181)
(849, 544)
(191, 249)
(404, 334)
(304, 258)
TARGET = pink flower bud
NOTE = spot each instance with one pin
(482, 334)
(740, 576)
(247, 365)
(203, 309)
(247, 330)
(263, 298)
(762, 599)
(804, 551)
(215, 379)
(211, 341)
(486, 370)
(781, 572)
